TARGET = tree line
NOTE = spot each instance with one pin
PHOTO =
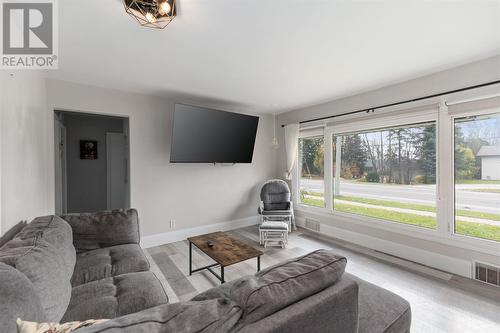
(404, 155)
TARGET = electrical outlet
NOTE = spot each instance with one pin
(172, 224)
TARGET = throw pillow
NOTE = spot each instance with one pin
(32, 327)
(278, 286)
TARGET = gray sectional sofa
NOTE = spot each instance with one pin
(90, 266)
(76, 267)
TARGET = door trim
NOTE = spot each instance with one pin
(108, 169)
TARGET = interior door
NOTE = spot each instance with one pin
(116, 160)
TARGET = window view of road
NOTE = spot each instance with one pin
(390, 174)
(477, 175)
(415, 204)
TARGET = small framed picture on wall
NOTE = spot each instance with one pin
(88, 150)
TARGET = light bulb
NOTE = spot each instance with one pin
(164, 8)
(275, 143)
(150, 17)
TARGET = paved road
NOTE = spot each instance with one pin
(419, 194)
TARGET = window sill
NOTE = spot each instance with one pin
(476, 244)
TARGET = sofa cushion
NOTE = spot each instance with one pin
(281, 285)
(381, 311)
(18, 299)
(92, 231)
(43, 265)
(107, 262)
(283, 206)
(273, 226)
(275, 194)
(332, 310)
(277, 212)
(11, 233)
(115, 296)
(212, 316)
(57, 232)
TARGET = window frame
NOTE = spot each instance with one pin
(390, 118)
(308, 133)
(445, 183)
(452, 224)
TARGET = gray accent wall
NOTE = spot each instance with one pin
(87, 179)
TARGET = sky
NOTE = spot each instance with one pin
(487, 129)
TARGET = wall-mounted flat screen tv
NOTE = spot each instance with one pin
(202, 135)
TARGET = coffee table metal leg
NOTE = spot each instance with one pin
(222, 274)
(190, 259)
(258, 264)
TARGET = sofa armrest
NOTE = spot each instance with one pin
(103, 229)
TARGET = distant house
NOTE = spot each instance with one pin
(490, 162)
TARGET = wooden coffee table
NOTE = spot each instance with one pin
(226, 251)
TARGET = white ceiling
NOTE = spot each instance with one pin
(272, 55)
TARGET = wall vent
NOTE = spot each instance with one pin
(487, 273)
(313, 225)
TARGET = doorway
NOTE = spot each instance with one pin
(91, 162)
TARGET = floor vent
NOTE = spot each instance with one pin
(313, 225)
(487, 273)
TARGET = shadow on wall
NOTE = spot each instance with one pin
(252, 199)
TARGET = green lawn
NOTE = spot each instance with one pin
(315, 194)
(479, 230)
(397, 204)
(476, 181)
(486, 190)
(387, 203)
(413, 219)
(423, 208)
(312, 202)
(465, 228)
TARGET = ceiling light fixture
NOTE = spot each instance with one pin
(274, 141)
(151, 13)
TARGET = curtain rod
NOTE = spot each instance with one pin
(372, 109)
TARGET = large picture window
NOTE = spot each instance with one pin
(387, 173)
(477, 176)
(311, 171)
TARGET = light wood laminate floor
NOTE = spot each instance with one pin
(440, 302)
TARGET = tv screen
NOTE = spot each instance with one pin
(202, 135)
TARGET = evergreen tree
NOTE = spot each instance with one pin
(428, 153)
(353, 153)
(312, 157)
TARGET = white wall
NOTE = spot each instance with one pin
(192, 194)
(26, 149)
(468, 75)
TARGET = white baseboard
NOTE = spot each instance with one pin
(180, 235)
(435, 260)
